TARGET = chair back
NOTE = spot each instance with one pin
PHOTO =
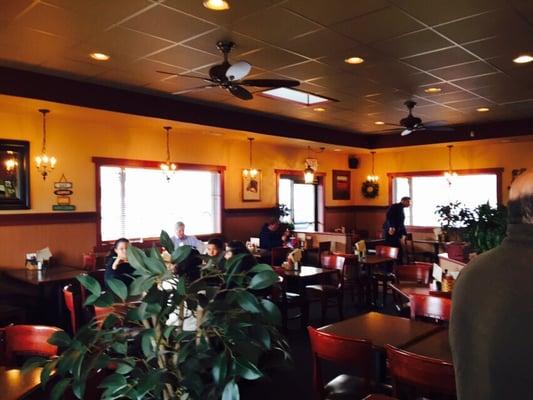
(387, 251)
(279, 255)
(439, 308)
(27, 341)
(333, 261)
(424, 375)
(356, 353)
(74, 306)
(417, 272)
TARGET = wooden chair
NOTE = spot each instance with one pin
(324, 248)
(354, 353)
(278, 255)
(74, 306)
(414, 376)
(412, 255)
(287, 301)
(383, 276)
(430, 307)
(332, 286)
(24, 341)
(419, 272)
(356, 279)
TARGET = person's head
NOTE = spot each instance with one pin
(273, 224)
(235, 247)
(214, 247)
(180, 230)
(406, 201)
(520, 206)
(120, 247)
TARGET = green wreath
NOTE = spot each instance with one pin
(370, 189)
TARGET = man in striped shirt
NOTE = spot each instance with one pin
(181, 239)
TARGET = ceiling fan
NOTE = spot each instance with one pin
(230, 77)
(412, 123)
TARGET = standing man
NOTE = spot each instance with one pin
(491, 332)
(270, 235)
(181, 239)
(394, 225)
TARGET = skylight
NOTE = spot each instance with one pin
(295, 95)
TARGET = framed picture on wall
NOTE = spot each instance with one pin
(14, 175)
(341, 185)
(251, 187)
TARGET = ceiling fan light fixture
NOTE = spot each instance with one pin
(379, 123)
(523, 59)
(482, 109)
(354, 60)
(319, 109)
(216, 5)
(433, 90)
(100, 56)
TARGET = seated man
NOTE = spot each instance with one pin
(181, 239)
(270, 235)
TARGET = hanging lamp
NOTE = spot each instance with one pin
(309, 172)
(251, 172)
(450, 174)
(44, 163)
(168, 167)
(372, 177)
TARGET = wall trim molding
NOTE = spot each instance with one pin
(248, 211)
(355, 208)
(48, 218)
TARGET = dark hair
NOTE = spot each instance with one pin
(520, 210)
(273, 221)
(219, 244)
(112, 252)
(405, 198)
(237, 247)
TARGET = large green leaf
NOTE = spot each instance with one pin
(247, 370)
(248, 301)
(113, 382)
(271, 312)
(180, 287)
(136, 259)
(220, 367)
(141, 285)
(90, 284)
(105, 300)
(166, 242)
(33, 362)
(260, 268)
(136, 314)
(231, 391)
(47, 370)
(147, 343)
(263, 280)
(118, 287)
(60, 339)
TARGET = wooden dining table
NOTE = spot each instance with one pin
(436, 346)
(59, 273)
(406, 289)
(15, 385)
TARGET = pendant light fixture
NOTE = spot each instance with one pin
(44, 163)
(450, 174)
(309, 172)
(167, 167)
(251, 172)
(372, 177)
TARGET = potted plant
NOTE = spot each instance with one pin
(452, 219)
(486, 227)
(149, 350)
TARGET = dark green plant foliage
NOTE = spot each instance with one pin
(484, 227)
(236, 336)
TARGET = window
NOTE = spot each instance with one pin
(427, 191)
(138, 202)
(302, 199)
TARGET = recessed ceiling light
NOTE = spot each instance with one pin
(354, 60)
(379, 123)
(523, 59)
(336, 149)
(100, 56)
(482, 109)
(319, 109)
(217, 5)
(433, 90)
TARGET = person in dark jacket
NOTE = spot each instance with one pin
(116, 263)
(394, 225)
(491, 334)
(271, 235)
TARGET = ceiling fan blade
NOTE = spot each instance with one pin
(435, 123)
(238, 71)
(240, 92)
(184, 75)
(389, 124)
(440, 128)
(406, 132)
(195, 89)
(270, 82)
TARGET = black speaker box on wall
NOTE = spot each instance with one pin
(353, 162)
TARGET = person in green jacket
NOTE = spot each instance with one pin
(491, 329)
